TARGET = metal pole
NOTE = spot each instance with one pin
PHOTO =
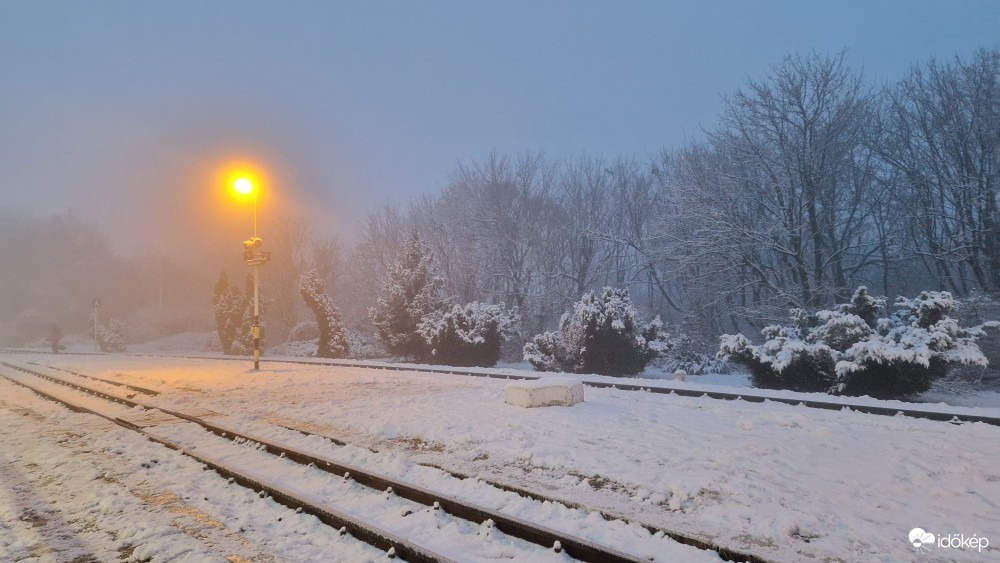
(256, 296)
(256, 317)
(97, 344)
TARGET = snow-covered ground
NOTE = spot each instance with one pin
(782, 482)
(946, 395)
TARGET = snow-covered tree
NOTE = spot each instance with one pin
(839, 351)
(230, 307)
(677, 351)
(468, 335)
(409, 291)
(940, 137)
(602, 334)
(304, 332)
(111, 337)
(332, 339)
(234, 314)
(911, 349)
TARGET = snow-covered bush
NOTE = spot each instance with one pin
(296, 348)
(468, 335)
(850, 350)
(231, 309)
(549, 351)
(409, 291)
(784, 361)
(211, 343)
(332, 339)
(304, 331)
(111, 338)
(976, 309)
(601, 335)
(680, 352)
(365, 346)
(304, 342)
(912, 349)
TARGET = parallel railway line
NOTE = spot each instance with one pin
(543, 537)
(666, 389)
(659, 388)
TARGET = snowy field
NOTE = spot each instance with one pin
(782, 482)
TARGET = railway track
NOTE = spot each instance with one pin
(363, 486)
(666, 389)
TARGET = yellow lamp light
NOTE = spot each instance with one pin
(243, 185)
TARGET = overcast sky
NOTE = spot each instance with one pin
(108, 105)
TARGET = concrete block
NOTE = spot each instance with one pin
(544, 392)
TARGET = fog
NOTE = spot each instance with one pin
(120, 123)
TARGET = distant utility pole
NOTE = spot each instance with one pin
(97, 305)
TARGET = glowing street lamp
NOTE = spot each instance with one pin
(243, 185)
(254, 257)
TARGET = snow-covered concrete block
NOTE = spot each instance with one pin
(544, 392)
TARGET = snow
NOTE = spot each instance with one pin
(782, 482)
(598, 328)
(544, 392)
(880, 356)
(76, 487)
(549, 381)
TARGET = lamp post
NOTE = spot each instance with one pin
(254, 257)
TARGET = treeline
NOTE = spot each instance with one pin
(812, 183)
(53, 269)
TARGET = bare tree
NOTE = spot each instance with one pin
(942, 138)
(327, 258)
(501, 202)
(378, 243)
(795, 144)
(582, 257)
(639, 233)
(289, 245)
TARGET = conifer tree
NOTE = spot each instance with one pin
(603, 334)
(111, 338)
(243, 317)
(230, 315)
(410, 289)
(469, 335)
(332, 338)
(853, 350)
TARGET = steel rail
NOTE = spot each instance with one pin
(143, 390)
(343, 523)
(725, 553)
(936, 415)
(576, 547)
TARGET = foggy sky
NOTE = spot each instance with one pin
(123, 111)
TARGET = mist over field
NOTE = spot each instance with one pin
(722, 176)
(532, 280)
